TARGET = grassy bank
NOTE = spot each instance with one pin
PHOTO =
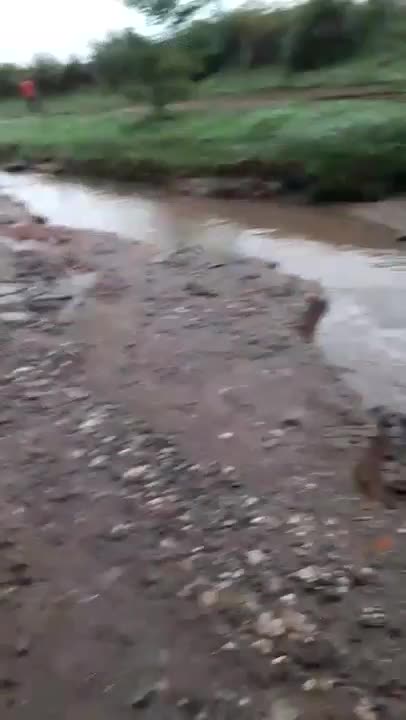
(345, 149)
(80, 103)
(381, 70)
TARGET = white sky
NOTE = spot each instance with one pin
(66, 27)
(59, 27)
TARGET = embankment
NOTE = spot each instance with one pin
(328, 151)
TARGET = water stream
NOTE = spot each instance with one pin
(350, 250)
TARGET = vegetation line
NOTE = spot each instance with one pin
(330, 150)
(251, 49)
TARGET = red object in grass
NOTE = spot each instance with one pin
(28, 89)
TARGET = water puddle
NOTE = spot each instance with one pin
(350, 250)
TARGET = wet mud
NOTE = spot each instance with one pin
(182, 534)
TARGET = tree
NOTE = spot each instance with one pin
(140, 67)
(203, 41)
(322, 33)
(163, 73)
(9, 77)
(246, 30)
(249, 36)
(75, 74)
(171, 13)
(116, 59)
(47, 73)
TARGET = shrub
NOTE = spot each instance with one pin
(322, 32)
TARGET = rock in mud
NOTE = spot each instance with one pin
(372, 617)
(209, 598)
(294, 418)
(192, 707)
(15, 318)
(365, 710)
(270, 626)
(316, 308)
(196, 288)
(99, 462)
(309, 574)
(39, 219)
(22, 646)
(120, 531)
(263, 645)
(297, 622)
(283, 709)
(143, 698)
(136, 473)
(363, 576)
(17, 166)
(255, 557)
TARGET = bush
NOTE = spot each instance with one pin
(203, 42)
(9, 79)
(76, 74)
(47, 73)
(116, 58)
(322, 32)
(163, 72)
(159, 72)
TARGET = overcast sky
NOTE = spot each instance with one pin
(59, 27)
(66, 27)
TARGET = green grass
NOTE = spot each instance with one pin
(380, 70)
(342, 149)
(81, 103)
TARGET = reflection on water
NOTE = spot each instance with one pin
(356, 259)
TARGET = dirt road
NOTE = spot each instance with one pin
(251, 101)
(180, 533)
(276, 97)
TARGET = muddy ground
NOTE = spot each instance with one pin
(181, 535)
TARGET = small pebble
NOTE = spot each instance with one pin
(279, 660)
(288, 599)
(98, 462)
(270, 444)
(209, 598)
(228, 469)
(270, 626)
(255, 557)
(372, 617)
(263, 645)
(143, 699)
(308, 574)
(120, 531)
(22, 646)
(229, 646)
(135, 473)
(310, 685)
(283, 709)
(364, 710)
(244, 701)
(92, 422)
(168, 544)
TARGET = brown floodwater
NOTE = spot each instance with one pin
(350, 250)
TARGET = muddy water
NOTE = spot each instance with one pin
(350, 250)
